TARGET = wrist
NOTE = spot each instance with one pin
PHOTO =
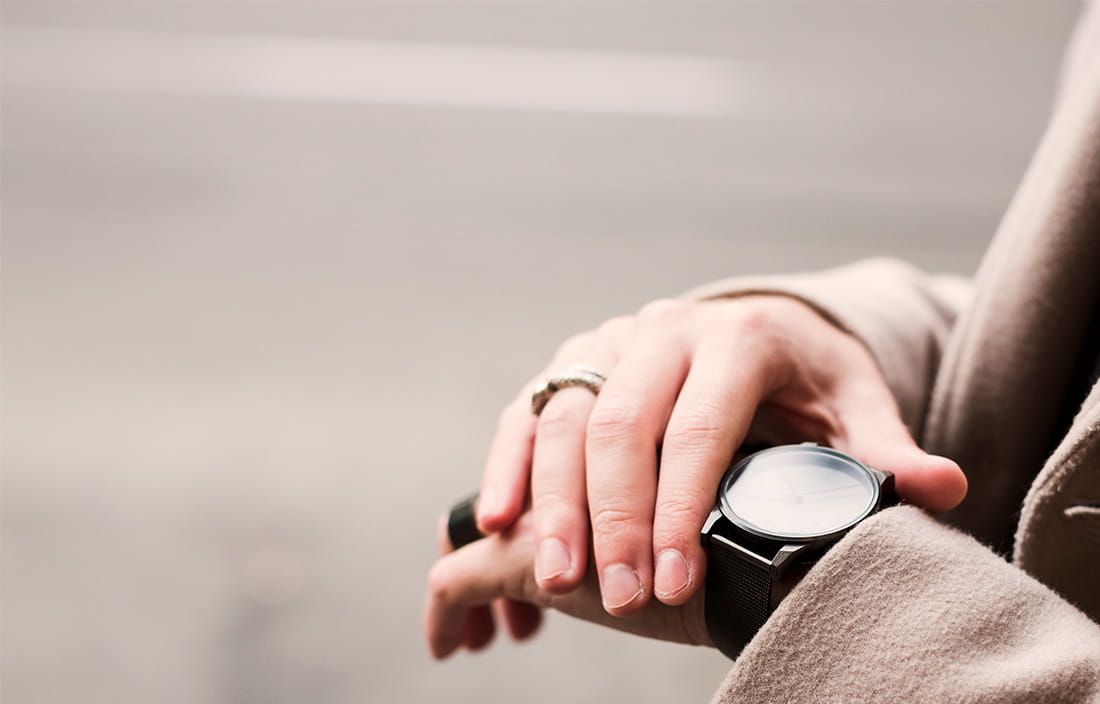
(778, 511)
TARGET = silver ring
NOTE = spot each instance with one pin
(572, 376)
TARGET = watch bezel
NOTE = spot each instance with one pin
(735, 471)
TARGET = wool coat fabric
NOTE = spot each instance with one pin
(998, 600)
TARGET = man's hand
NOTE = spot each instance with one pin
(691, 381)
(499, 570)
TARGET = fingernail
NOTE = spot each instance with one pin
(487, 504)
(620, 586)
(672, 575)
(552, 559)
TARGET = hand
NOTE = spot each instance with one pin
(499, 570)
(691, 381)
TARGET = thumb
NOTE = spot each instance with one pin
(877, 437)
(929, 481)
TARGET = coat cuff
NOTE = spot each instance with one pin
(907, 609)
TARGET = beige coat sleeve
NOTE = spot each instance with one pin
(904, 609)
(902, 314)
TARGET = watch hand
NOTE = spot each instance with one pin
(826, 491)
(783, 473)
(765, 495)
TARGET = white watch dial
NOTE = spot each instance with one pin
(799, 492)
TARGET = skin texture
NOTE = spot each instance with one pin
(573, 501)
(498, 571)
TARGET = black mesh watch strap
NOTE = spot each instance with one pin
(739, 595)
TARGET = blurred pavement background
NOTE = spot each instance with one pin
(271, 269)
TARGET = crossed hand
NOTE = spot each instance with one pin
(577, 514)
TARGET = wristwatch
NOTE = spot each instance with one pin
(777, 513)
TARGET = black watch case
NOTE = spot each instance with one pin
(780, 551)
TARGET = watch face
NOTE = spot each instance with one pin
(798, 492)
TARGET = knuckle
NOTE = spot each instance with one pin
(663, 310)
(755, 320)
(515, 414)
(613, 328)
(756, 334)
(576, 345)
(439, 584)
(678, 521)
(559, 417)
(551, 508)
(612, 521)
(678, 515)
(613, 421)
(701, 428)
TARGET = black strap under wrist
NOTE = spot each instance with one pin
(738, 597)
(462, 523)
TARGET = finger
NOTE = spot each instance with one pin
(558, 501)
(523, 619)
(504, 482)
(442, 645)
(621, 453)
(874, 433)
(711, 417)
(558, 494)
(479, 628)
(473, 577)
(450, 601)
